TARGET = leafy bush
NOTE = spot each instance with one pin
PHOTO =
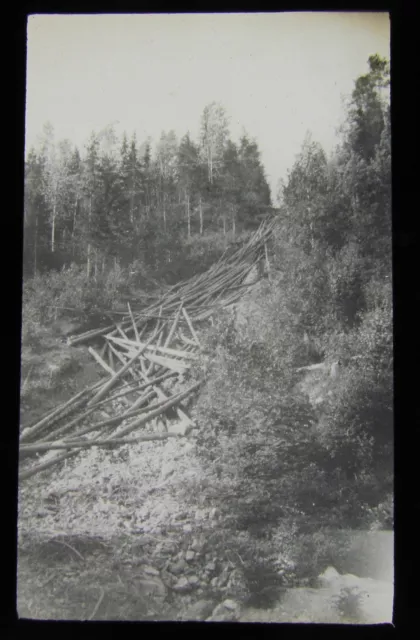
(348, 603)
(71, 289)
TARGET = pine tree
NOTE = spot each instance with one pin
(366, 113)
(34, 211)
(90, 192)
(230, 184)
(255, 192)
(188, 163)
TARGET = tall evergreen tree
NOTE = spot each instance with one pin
(35, 223)
(255, 192)
(90, 192)
(188, 162)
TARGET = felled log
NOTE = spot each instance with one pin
(174, 400)
(108, 385)
(86, 444)
(63, 410)
(167, 350)
(190, 325)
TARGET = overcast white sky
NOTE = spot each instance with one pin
(278, 75)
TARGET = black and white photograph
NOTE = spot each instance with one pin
(206, 397)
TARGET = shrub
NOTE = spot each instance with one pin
(71, 289)
(348, 603)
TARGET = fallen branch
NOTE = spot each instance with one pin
(156, 412)
(108, 385)
(168, 363)
(61, 411)
(108, 442)
(136, 333)
(191, 328)
(117, 419)
(99, 360)
(98, 604)
(172, 352)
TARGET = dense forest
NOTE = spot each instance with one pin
(118, 201)
(95, 220)
(277, 463)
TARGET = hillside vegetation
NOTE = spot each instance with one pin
(277, 462)
(278, 465)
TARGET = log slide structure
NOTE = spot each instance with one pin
(145, 358)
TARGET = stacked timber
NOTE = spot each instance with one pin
(145, 359)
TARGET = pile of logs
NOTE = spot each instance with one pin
(145, 358)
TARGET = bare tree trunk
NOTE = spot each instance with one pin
(53, 228)
(36, 244)
(103, 265)
(164, 214)
(233, 227)
(201, 217)
(74, 225)
(132, 205)
(96, 265)
(188, 215)
(88, 261)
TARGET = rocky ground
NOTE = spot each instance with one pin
(125, 535)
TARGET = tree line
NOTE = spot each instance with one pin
(307, 466)
(117, 200)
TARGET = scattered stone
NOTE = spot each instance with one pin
(214, 581)
(151, 571)
(225, 614)
(42, 513)
(168, 578)
(223, 578)
(194, 580)
(200, 610)
(210, 566)
(183, 585)
(178, 567)
(182, 515)
(230, 604)
(189, 556)
(214, 513)
(153, 587)
(197, 545)
(187, 528)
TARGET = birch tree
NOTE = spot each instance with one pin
(165, 163)
(56, 163)
(214, 134)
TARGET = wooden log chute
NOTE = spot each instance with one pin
(146, 348)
